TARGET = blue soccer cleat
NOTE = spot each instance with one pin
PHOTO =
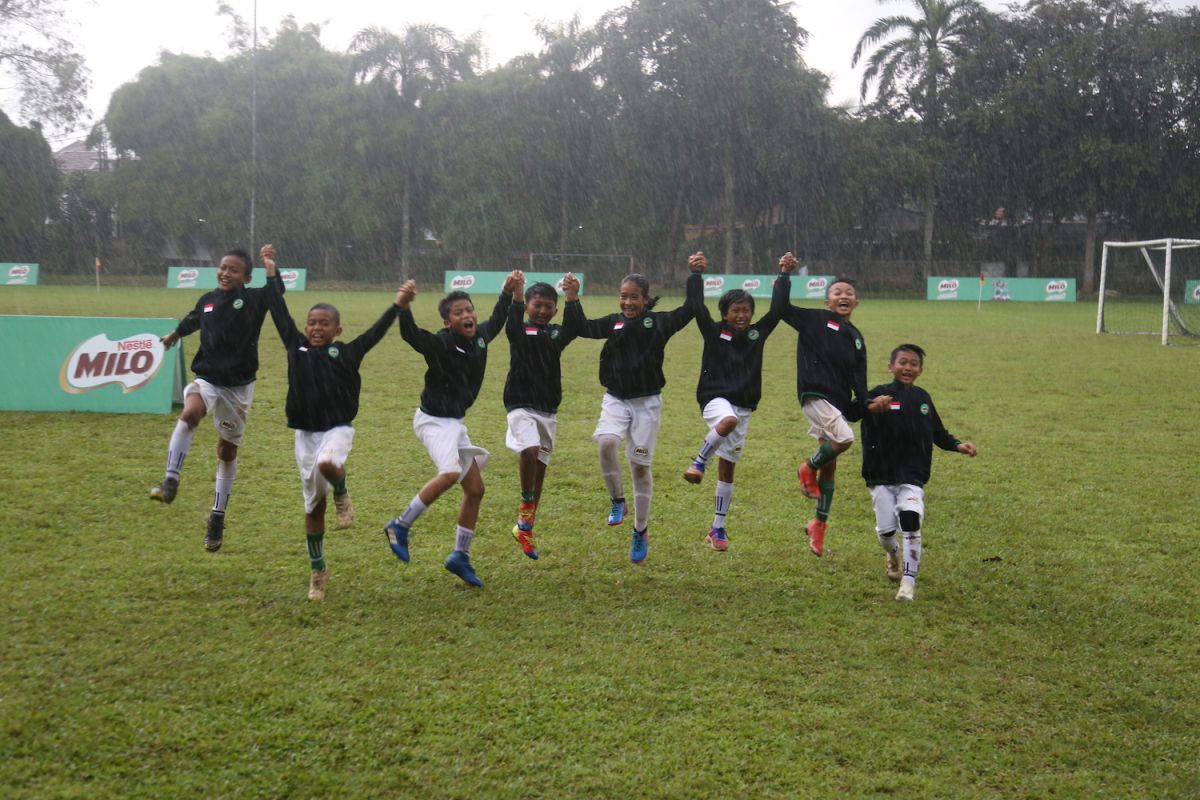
(397, 536)
(460, 564)
(617, 514)
(694, 473)
(638, 547)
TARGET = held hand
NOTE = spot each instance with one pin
(697, 262)
(879, 404)
(570, 285)
(267, 254)
(788, 262)
(967, 449)
(515, 282)
(408, 290)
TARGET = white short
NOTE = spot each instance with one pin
(529, 428)
(718, 409)
(635, 420)
(228, 405)
(826, 422)
(312, 447)
(446, 441)
(889, 501)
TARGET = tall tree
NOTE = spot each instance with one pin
(44, 63)
(29, 187)
(911, 63)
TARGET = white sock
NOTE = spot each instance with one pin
(462, 539)
(226, 472)
(710, 443)
(414, 509)
(887, 541)
(177, 450)
(643, 488)
(610, 465)
(724, 498)
(912, 553)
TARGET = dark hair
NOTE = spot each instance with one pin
(450, 299)
(734, 296)
(908, 348)
(643, 283)
(332, 309)
(541, 289)
(244, 256)
(841, 279)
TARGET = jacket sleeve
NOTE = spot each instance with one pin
(491, 329)
(289, 334)
(191, 321)
(592, 328)
(419, 339)
(516, 316)
(858, 406)
(363, 343)
(941, 437)
(677, 319)
(571, 324)
(780, 300)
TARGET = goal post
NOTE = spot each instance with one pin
(1144, 285)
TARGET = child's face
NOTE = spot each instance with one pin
(321, 328)
(632, 300)
(842, 299)
(540, 309)
(906, 368)
(460, 318)
(232, 274)
(738, 315)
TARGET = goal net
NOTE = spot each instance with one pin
(1151, 287)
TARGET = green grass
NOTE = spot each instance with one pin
(1051, 651)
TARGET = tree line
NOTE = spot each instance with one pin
(666, 127)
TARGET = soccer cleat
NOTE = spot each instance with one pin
(808, 481)
(816, 536)
(214, 534)
(345, 510)
(524, 537)
(316, 584)
(397, 536)
(717, 539)
(617, 514)
(907, 586)
(694, 473)
(638, 546)
(460, 564)
(894, 570)
(165, 492)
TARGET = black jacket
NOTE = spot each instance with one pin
(732, 363)
(229, 325)
(897, 444)
(535, 359)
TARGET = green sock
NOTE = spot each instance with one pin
(823, 455)
(825, 501)
(316, 549)
(339, 487)
(526, 497)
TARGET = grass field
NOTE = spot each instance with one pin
(1052, 650)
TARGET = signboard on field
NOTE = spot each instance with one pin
(804, 287)
(1191, 292)
(18, 273)
(107, 364)
(295, 279)
(1039, 290)
(492, 282)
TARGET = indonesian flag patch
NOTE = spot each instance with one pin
(833, 325)
(530, 330)
(618, 325)
(894, 405)
(208, 307)
(727, 336)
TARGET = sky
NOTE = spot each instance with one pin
(119, 38)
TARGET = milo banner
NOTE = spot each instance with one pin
(1039, 290)
(493, 282)
(12, 274)
(804, 287)
(294, 278)
(112, 364)
(1191, 292)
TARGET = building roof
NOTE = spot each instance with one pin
(78, 157)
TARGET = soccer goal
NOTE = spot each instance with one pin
(1150, 287)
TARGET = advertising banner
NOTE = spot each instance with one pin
(295, 279)
(1191, 292)
(804, 287)
(18, 274)
(107, 364)
(493, 282)
(1040, 290)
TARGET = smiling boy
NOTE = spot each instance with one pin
(456, 357)
(230, 320)
(831, 383)
(322, 402)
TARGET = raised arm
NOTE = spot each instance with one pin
(704, 321)
(514, 326)
(491, 329)
(677, 319)
(420, 340)
(363, 343)
(289, 334)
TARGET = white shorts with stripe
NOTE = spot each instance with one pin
(313, 447)
(529, 428)
(446, 441)
(718, 409)
(228, 405)
(826, 422)
(636, 421)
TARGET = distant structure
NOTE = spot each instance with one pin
(78, 157)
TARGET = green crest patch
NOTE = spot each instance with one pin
(238, 303)
(648, 322)
(333, 352)
(753, 335)
(924, 408)
(481, 343)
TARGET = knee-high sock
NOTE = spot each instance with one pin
(708, 445)
(724, 498)
(414, 509)
(910, 524)
(610, 465)
(177, 449)
(316, 549)
(825, 501)
(823, 455)
(226, 472)
(462, 539)
(643, 488)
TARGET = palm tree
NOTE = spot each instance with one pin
(409, 69)
(912, 67)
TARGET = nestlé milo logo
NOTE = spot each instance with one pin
(715, 282)
(751, 284)
(948, 285)
(462, 281)
(18, 271)
(817, 285)
(1056, 287)
(99, 361)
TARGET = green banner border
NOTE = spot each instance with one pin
(970, 289)
(491, 282)
(295, 279)
(18, 273)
